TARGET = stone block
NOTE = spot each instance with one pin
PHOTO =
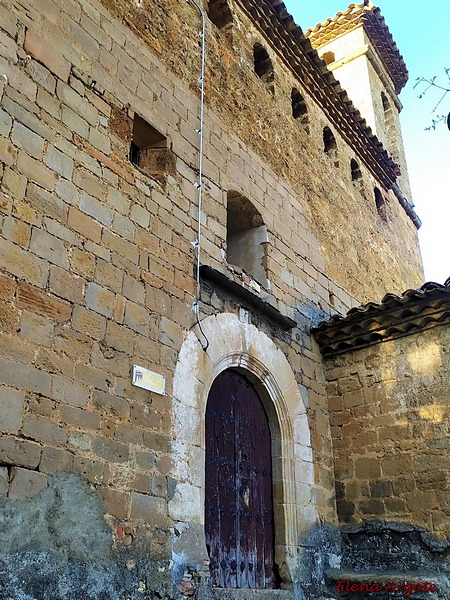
(136, 317)
(110, 361)
(27, 140)
(69, 392)
(4, 482)
(7, 287)
(367, 468)
(5, 123)
(140, 215)
(353, 398)
(74, 122)
(82, 418)
(47, 54)
(117, 200)
(9, 317)
(396, 465)
(90, 183)
(8, 153)
(11, 414)
(108, 275)
(129, 434)
(142, 483)
(151, 509)
(35, 171)
(394, 506)
(44, 431)
(26, 484)
(55, 460)
(19, 452)
(25, 377)
(156, 441)
(119, 337)
(372, 507)
(77, 103)
(92, 470)
(49, 248)
(14, 184)
(380, 489)
(99, 140)
(133, 290)
(88, 322)
(100, 299)
(110, 405)
(41, 76)
(158, 486)
(121, 246)
(65, 285)
(59, 162)
(29, 119)
(46, 202)
(110, 450)
(124, 227)
(146, 416)
(117, 503)
(39, 302)
(171, 334)
(96, 209)
(157, 162)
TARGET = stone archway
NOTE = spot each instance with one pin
(235, 345)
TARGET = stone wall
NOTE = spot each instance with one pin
(97, 266)
(389, 411)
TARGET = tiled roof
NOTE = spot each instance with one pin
(395, 316)
(295, 48)
(370, 17)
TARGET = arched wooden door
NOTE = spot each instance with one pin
(239, 524)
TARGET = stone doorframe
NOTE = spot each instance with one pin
(240, 346)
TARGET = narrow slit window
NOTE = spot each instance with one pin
(355, 170)
(329, 141)
(263, 66)
(380, 204)
(299, 108)
(330, 146)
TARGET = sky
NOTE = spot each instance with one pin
(421, 30)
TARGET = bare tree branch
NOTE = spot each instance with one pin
(431, 83)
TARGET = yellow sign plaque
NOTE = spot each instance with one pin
(149, 380)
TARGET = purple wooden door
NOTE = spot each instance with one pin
(238, 489)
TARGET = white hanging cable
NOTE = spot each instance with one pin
(199, 183)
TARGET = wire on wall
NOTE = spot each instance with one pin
(199, 183)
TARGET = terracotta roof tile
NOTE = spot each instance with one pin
(395, 316)
(369, 16)
(295, 48)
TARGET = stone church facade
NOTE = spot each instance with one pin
(192, 192)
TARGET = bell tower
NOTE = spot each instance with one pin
(358, 48)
